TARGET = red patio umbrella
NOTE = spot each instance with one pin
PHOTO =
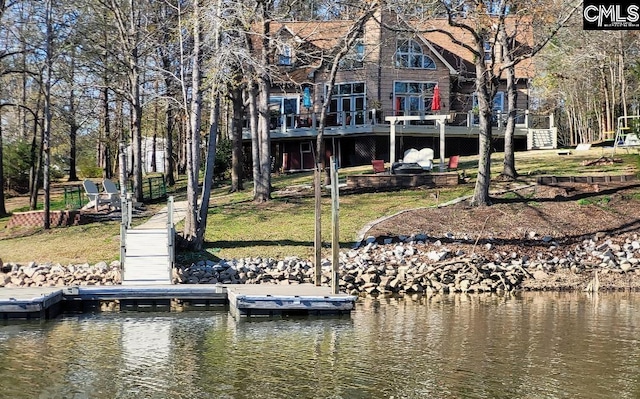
(435, 103)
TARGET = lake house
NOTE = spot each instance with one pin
(391, 71)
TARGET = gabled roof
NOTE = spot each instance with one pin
(324, 35)
(441, 57)
(522, 29)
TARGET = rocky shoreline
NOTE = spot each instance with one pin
(404, 265)
(35, 274)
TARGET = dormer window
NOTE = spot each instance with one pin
(284, 57)
(409, 54)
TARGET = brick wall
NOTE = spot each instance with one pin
(36, 218)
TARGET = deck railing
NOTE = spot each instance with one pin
(355, 119)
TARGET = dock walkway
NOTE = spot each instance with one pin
(147, 286)
(159, 219)
(242, 300)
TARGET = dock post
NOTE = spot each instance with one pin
(125, 223)
(317, 182)
(335, 227)
(170, 235)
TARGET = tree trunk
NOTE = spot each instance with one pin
(237, 159)
(253, 127)
(509, 163)
(105, 143)
(208, 175)
(46, 142)
(621, 73)
(481, 190)
(130, 33)
(36, 164)
(3, 209)
(154, 138)
(182, 139)
(73, 135)
(485, 89)
(169, 165)
(136, 138)
(262, 181)
(193, 149)
(165, 55)
(123, 166)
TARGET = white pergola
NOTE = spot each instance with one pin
(440, 120)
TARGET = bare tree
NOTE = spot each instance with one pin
(590, 80)
(193, 134)
(128, 17)
(476, 26)
(237, 159)
(512, 27)
(262, 139)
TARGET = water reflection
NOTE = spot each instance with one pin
(542, 345)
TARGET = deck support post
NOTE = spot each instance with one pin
(440, 121)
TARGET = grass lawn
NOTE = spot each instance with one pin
(237, 227)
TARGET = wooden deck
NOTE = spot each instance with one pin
(242, 300)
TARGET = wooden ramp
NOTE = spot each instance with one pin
(147, 252)
(148, 257)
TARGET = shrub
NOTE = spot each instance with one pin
(16, 163)
(222, 165)
(87, 167)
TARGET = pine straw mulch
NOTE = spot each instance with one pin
(517, 222)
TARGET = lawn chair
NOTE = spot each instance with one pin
(96, 198)
(378, 166)
(111, 189)
(453, 162)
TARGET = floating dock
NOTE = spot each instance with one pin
(273, 300)
(242, 300)
(30, 303)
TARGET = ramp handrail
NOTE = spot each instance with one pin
(170, 231)
(125, 226)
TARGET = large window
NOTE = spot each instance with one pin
(348, 104)
(409, 55)
(498, 108)
(412, 98)
(354, 58)
(285, 58)
(498, 102)
(282, 111)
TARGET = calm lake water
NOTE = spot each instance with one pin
(542, 345)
